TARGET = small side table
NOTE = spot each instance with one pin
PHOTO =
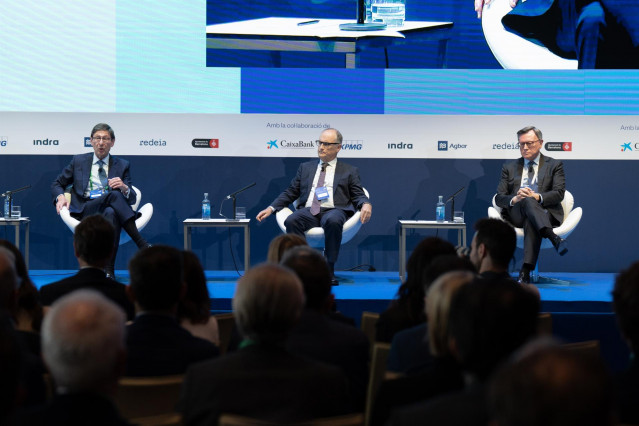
(425, 224)
(16, 224)
(221, 223)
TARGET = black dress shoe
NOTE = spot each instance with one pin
(524, 277)
(560, 245)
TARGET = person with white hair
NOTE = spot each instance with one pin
(83, 347)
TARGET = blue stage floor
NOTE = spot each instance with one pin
(581, 306)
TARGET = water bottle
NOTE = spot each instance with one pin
(206, 207)
(7, 207)
(440, 211)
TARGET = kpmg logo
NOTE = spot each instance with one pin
(205, 143)
(445, 146)
(46, 142)
(153, 142)
(286, 144)
(3, 140)
(352, 145)
(400, 145)
(558, 146)
(87, 142)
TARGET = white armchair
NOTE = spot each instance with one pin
(513, 51)
(146, 211)
(315, 236)
(572, 216)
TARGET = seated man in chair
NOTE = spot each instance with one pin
(530, 192)
(101, 184)
(329, 192)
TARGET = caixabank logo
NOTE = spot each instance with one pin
(289, 144)
(205, 143)
(558, 146)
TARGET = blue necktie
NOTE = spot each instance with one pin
(315, 206)
(103, 176)
(531, 175)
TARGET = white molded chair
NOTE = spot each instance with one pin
(315, 236)
(513, 51)
(572, 216)
(146, 211)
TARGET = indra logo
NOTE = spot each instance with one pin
(442, 145)
(3, 140)
(626, 147)
(558, 146)
(205, 143)
(272, 144)
(46, 142)
(400, 145)
(353, 145)
(87, 142)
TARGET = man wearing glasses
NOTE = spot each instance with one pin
(329, 192)
(101, 185)
(530, 192)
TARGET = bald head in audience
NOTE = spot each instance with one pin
(83, 343)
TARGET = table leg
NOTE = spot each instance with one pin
(17, 232)
(247, 248)
(352, 60)
(402, 252)
(26, 245)
(187, 237)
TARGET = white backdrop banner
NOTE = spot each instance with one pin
(292, 135)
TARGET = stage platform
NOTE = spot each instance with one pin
(580, 303)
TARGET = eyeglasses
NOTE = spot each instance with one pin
(528, 144)
(103, 138)
(326, 144)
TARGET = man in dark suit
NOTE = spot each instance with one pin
(92, 246)
(317, 336)
(329, 192)
(598, 33)
(83, 346)
(101, 184)
(530, 192)
(156, 343)
(263, 380)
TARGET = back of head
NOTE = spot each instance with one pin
(552, 387)
(280, 244)
(196, 303)
(438, 299)
(499, 238)
(427, 250)
(267, 303)
(625, 297)
(311, 268)
(488, 320)
(156, 277)
(442, 265)
(10, 366)
(8, 281)
(83, 342)
(93, 240)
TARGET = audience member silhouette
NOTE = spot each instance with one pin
(441, 373)
(625, 298)
(317, 336)
(93, 248)
(194, 309)
(156, 343)
(280, 244)
(262, 379)
(83, 346)
(488, 321)
(407, 310)
(552, 386)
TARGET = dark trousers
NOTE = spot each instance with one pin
(115, 208)
(530, 215)
(331, 220)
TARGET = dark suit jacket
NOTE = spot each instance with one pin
(551, 184)
(321, 338)
(553, 23)
(347, 189)
(89, 278)
(158, 346)
(76, 409)
(264, 382)
(78, 172)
